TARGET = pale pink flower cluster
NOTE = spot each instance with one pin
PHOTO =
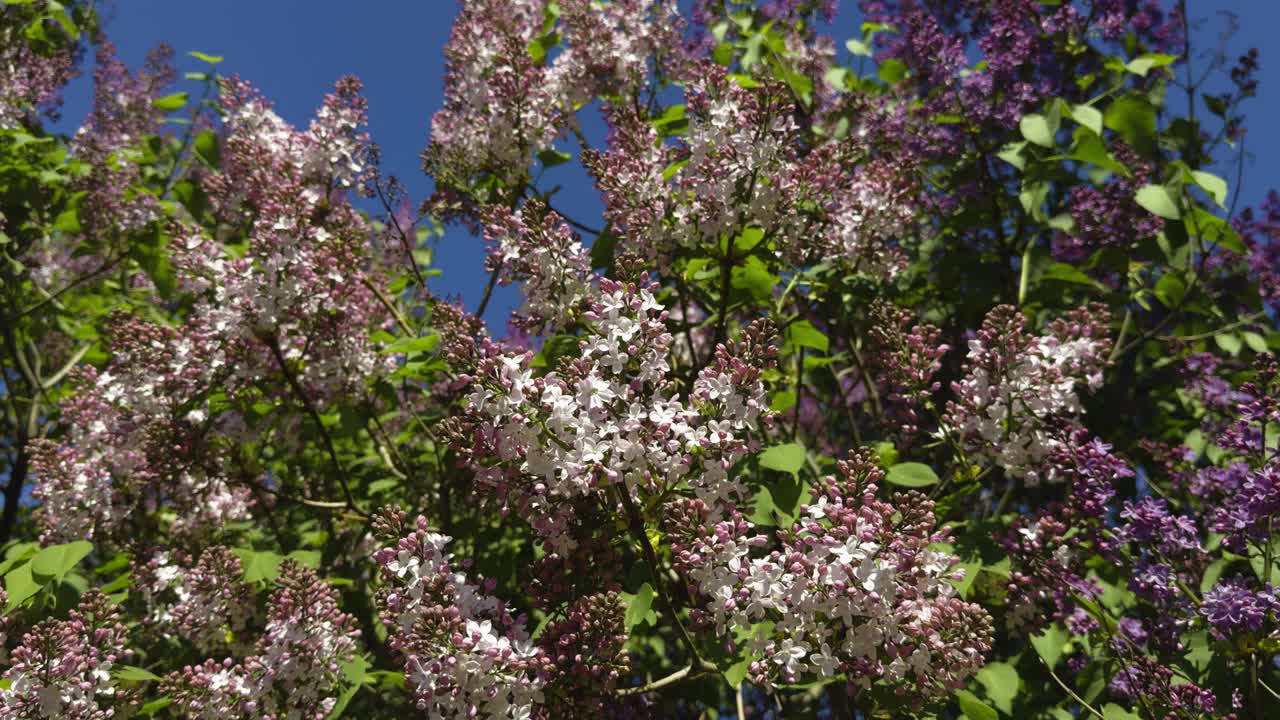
(62, 668)
(504, 103)
(465, 655)
(1018, 398)
(204, 602)
(854, 588)
(611, 416)
(742, 164)
(297, 670)
(535, 247)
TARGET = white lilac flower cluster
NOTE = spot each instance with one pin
(611, 416)
(1018, 398)
(464, 655)
(854, 589)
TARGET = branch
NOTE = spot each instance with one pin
(292, 379)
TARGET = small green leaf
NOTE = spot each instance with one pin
(259, 565)
(1215, 186)
(639, 606)
(804, 334)
(550, 157)
(1143, 64)
(1088, 116)
(737, 672)
(973, 708)
(20, 585)
(211, 59)
(1112, 711)
(1157, 200)
(1256, 342)
(307, 558)
(206, 145)
(169, 103)
(1000, 680)
(1229, 342)
(788, 458)
(1038, 129)
(134, 674)
(892, 71)
(56, 561)
(1050, 644)
(155, 706)
(911, 474)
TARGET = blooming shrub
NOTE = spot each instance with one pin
(933, 379)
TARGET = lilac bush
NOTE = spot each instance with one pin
(922, 368)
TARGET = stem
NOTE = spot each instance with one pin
(292, 379)
(636, 525)
(675, 677)
(488, 293)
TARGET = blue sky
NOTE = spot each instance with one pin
(294, 50)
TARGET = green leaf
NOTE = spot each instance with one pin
(1134, 119)
(134, 674)
(1000, 680)
(603, 249)
(206, 145)
(1157, 200)
(737, 672)
(155, 706)
(169, 103)
(638, 608)
(410, 345)
(355, 672)
(1258, 561)
(1050, 644)
(788, 458)
(1067, 273)
(56, 561)
(259, 565)
(1038, 129)
(858, 47)
(308, 558)
(804, 334)
(1229, 343)
(1088, 116)
(973, 708)
(68, 221)
(911, 474)
(1171, 289)
(892, 71)
(1215, 186)
(755, 278)
(211, 59)
(551, 157)
(1256, 342)
(1112, 711)
(1143, 64)
(20, 585)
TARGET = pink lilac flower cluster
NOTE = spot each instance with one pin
(853, 588)
(297, 669)
(611, 416)
(535, 247)
(1017, 387)
(30, 82)
(742, 163)
(204, 602)
(1050, 548)
(464, 654)
(503, 103)
(293, 304)
(62, 668)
